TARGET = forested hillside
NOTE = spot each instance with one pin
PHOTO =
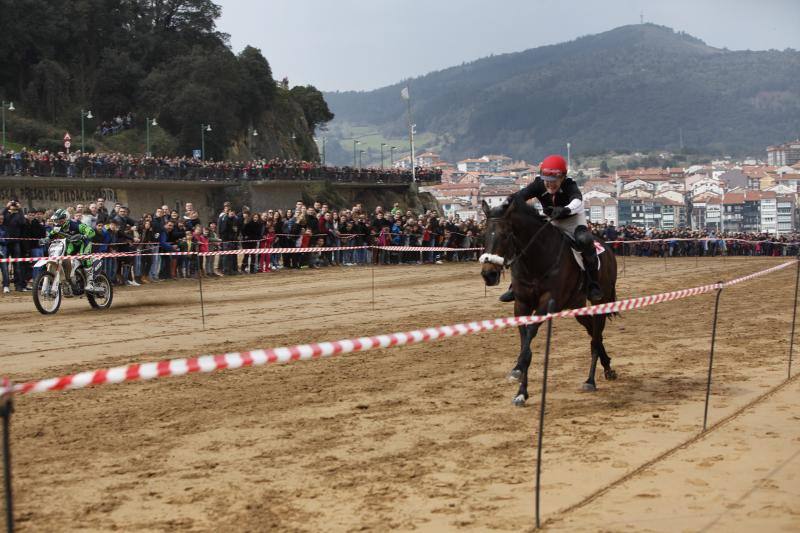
(632, 88)
(150, 58)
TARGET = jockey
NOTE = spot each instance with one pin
(562, 201)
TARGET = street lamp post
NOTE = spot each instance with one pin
(203, 129)
(84, 114)
(250, 140)
(391, 154)
(569, 158)
(10, 106)
(323, 148)
(412, 131)
(382, 145)
(149, 122)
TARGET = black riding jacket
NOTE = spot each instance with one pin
(567, 194)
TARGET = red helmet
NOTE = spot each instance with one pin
(553, 166)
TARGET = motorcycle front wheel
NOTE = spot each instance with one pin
(103, 292)
(46, 297)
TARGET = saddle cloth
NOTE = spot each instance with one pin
(579, 256)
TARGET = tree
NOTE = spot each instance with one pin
(198, 89)
(48, 89)
(258, 89)
(313, 103)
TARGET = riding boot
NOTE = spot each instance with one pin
(507, 296)
(89, 279)
(594, 291)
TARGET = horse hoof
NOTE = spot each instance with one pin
(589, 387)
(611, 375)
(514, 375)
(519, 400)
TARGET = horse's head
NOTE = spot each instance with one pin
(498, 244)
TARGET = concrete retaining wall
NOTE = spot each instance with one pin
(207, 197)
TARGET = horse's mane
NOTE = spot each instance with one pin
(526, 209)
(521, 207)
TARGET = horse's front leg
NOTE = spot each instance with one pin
(526, 334)
(590, 384)
(524, 345)
(521, 309)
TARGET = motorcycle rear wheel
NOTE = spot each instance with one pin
(47, 304)
(103, 293)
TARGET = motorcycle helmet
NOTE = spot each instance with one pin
(60, 218)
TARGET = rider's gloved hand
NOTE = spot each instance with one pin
(75, 239)
(559, 212)
(510, 199)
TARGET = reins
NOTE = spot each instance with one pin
(525, 248)
(530, 242)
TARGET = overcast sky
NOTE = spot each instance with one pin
(366, 44)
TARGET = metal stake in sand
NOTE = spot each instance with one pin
(6, 408)
(550, 309)
(200, 282)
(711, 356)
(372, 260)
(794, 317)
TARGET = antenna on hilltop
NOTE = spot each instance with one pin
(641, 16)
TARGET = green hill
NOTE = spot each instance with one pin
(632, 88)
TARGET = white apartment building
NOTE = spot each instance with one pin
(769, 215)
(784, 214)
(601, 210)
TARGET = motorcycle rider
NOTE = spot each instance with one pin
(79, 241)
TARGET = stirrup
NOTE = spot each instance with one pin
(594, 293)
(507, 296)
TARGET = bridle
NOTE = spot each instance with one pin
(508, 263)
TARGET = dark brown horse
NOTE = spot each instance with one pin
(543, 268)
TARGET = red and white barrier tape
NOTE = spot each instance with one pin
(211, 363)
(709, 239)
(424, 249)
(243, 251)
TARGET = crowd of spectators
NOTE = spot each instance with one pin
(316, 228)
(127, 166)
(690, 243)
(116, 125)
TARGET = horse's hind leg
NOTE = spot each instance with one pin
(597, 343)
(605, 360)
(595, 325)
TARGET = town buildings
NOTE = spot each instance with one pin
(784, 154)
(722, 195)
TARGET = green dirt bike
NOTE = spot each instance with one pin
(66, 278)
